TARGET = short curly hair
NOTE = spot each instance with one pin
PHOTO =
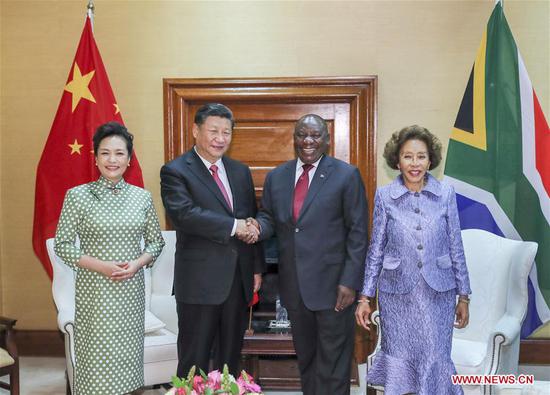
(414, 132)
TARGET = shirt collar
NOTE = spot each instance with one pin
(218, 163)
(103, 185)
(299, 163)
(398, 187)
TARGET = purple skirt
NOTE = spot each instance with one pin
(415, 355)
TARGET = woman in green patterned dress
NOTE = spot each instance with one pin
(110, 218)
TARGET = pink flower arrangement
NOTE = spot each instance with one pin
(215, 383)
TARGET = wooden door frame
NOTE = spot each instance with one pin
(360, 92)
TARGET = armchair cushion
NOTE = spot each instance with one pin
(159, 346)
(5, 358)
(468, 355)
(152, 323)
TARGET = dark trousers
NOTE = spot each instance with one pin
(202, 325)
(324, 345)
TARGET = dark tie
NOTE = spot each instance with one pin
(300, 191)
(214, 170)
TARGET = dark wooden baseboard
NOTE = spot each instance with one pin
(51, 343)
(40, 343)
(535, 352)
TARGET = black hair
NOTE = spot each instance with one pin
(113, 128)
(214, 110)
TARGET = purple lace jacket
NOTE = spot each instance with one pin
(414, 235)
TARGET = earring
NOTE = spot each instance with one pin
(128, 164)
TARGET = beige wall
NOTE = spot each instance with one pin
(422, 53)
(1, 128)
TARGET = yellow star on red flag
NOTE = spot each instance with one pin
(75, 147)
(117, 108)
(78, 87)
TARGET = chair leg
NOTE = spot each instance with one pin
(67, 385)
(14, 379)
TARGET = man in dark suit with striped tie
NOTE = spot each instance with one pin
(206, 196)
(316, 206)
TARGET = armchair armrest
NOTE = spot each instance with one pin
(8, 338)
(64, 317)
(505, 333)
(7, 322)
(164, 308)
(509, 327)
(375, 319)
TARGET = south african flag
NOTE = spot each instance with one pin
(499, 157)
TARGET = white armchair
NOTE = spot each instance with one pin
(160, 354)
(498, 269)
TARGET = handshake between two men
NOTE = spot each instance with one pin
(248, 230)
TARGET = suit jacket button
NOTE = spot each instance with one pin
(416, 194)
(417, 210)
(420, 247)
(418, 227)
(296, 230)
(419, 264)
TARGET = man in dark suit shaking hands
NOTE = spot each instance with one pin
(206, 196)
(317, 207)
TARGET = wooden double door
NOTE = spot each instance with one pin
(266, 111)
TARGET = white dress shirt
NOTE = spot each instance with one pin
(300, 170)
(222, 174)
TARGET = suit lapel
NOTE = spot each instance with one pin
(288, 193)
(198, 168)
(319, 179)
(233, 184)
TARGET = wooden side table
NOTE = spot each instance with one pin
(263, 356)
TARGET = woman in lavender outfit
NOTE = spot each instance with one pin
(416, 259)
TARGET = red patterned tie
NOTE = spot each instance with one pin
(300, 191)
(214, 170)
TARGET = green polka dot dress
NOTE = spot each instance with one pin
(110, 222)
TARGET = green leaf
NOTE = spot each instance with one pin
(203, 375)
(234, 388)
(177, 382)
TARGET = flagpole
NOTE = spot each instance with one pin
(90, 12)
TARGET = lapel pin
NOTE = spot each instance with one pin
(322, 176)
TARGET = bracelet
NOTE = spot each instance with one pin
(364, 300)
(464, 300)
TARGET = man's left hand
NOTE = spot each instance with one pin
(345, 298)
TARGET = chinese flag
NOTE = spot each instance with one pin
(68, 159)
(255, 299)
